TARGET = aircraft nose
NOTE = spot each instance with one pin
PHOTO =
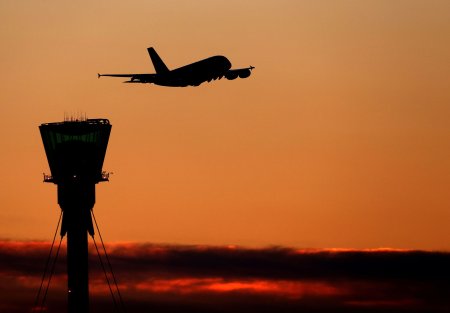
(226, 63)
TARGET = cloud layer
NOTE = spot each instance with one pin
(169, 278)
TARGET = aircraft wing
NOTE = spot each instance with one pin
(134, 78)
(239, 72)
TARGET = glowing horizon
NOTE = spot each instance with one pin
(210, 276)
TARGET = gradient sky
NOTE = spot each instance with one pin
(340, 138)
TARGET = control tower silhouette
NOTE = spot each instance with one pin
(75, 151)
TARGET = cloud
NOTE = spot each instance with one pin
(173, 278)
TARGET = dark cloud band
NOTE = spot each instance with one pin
(234, 278)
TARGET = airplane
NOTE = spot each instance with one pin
(192, 74)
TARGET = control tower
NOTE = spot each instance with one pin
(75, 151)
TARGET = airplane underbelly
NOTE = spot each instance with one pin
(171, 82)
(190, 77)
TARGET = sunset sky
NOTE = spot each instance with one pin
(320, 183)
(339, 139)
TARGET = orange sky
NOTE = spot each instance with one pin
(340, 138)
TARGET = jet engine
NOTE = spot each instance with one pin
(231, 75)
(244, 73)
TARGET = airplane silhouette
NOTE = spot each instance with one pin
(192, 74)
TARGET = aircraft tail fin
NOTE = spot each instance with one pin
(158, 64)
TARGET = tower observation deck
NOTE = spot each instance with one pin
(75, 152)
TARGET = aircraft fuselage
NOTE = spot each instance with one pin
(195, 73)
